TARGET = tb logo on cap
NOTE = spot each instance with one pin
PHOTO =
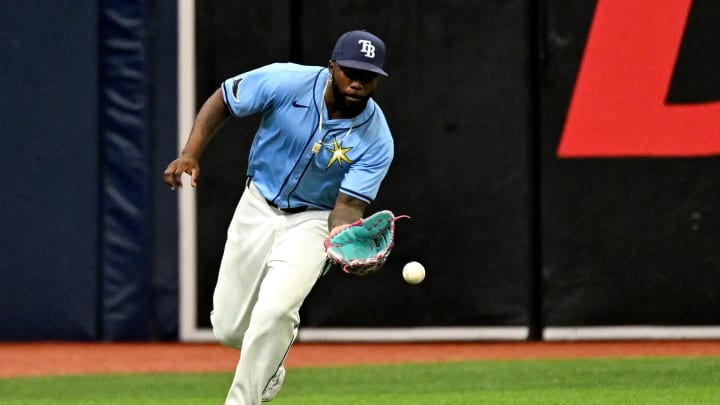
(367, 48)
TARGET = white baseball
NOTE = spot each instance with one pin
(413, 273)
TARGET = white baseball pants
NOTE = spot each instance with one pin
(270, 263)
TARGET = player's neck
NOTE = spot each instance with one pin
(334, 112)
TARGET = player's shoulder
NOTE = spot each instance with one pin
(290, 78)
(377, 118)
(290, 69)
(377, 130)
(378, 111)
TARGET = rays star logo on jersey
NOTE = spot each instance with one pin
(338, 154)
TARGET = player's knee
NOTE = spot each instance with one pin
(227, 333)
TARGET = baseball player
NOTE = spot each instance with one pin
(316, 161)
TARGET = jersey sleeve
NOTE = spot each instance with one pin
(363, 179)
(250, 92)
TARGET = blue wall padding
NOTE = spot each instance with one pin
(162, 59)
(48, 158)
(126, 251)
(88, 241)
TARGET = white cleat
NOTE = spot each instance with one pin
(273, 387)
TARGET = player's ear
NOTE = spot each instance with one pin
(331, 69)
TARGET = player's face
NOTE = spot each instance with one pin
(352, 88)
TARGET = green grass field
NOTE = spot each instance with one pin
(589, 381)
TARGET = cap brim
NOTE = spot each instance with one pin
(361, 66)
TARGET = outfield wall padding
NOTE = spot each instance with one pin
(49, 91)
(630, 240)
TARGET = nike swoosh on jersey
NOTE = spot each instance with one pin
(297, 104)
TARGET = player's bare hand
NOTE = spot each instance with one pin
(172, 176)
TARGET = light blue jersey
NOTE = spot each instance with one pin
(354, 155)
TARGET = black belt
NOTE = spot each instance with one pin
(294, 210)
(272, 204)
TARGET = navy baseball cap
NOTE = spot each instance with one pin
(360, 50)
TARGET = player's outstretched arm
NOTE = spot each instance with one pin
(210, 118)
(347, 210)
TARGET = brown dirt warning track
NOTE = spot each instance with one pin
(51, 358)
